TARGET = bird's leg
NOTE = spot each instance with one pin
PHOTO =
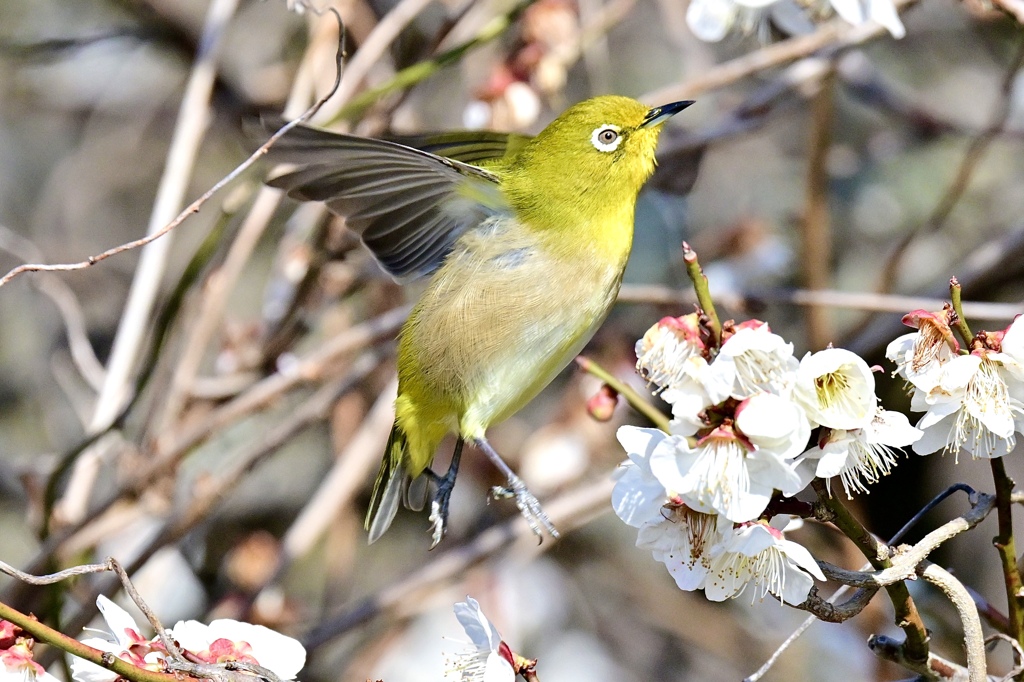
(528, 504)
(445, 485)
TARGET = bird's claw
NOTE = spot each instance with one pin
(528, 504)
(439, 521)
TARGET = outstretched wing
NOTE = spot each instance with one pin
(469, 146)
(408, 205)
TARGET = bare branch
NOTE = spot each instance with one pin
(974, 638)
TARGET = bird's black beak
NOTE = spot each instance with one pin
(659, 115)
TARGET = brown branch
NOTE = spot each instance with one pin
(815, 232)
(854, 300)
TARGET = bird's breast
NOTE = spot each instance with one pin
(502, 316)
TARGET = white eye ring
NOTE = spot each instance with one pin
(606, 138)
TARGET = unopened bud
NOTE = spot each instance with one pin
(602, 405)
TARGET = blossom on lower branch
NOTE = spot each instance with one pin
(222, 641)
(487, 658)
(705, 551)
(16, 661)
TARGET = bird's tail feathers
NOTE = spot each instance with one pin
(389, 486)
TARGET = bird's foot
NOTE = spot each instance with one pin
(528, 504)
(439, 509)
(438, 522)
(439, 505)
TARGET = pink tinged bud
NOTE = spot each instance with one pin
(991, 340)
(752, 324)
(506, 652)
(933, 326)
(8, 634)
(602, 405)
(19, 657)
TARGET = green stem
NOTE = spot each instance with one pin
(1005, 544)
(43, 633)
(915, 647)
(637, 401)
(420, 71)
(961, 321)
(700, 286)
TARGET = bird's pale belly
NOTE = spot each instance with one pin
(495, 328)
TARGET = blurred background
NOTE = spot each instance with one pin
(212, 413)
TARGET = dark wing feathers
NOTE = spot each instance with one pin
(467, 146)
(408, 205)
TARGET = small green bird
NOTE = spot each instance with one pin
(526, 240)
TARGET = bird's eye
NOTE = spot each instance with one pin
(606, 138)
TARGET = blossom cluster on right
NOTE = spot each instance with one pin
(753, 424)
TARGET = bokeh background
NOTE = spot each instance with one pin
(235, 476)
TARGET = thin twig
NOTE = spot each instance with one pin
(843, 589)
(82, 352)
(815, 226)
(376, 45)
(836, 35)
(974, 638)
(905, 562)
(635, 400)
(1006, 546)
(62, 642)
(704, 298)
(877, 553)
(875, 302)
(52, 578)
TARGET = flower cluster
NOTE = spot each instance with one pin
(221, 641)
(712, 20)
(16, 661)
(743, 414)
(972, 401)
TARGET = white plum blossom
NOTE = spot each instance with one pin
(970, 402)
(920, 356)
(638, 495)
(752, 360)
(225, 640)
(734, 469)
(880, 11)
(758, 556)
(837, 389)
(662, 354)
(712, 20)
(123, 639)
(860, 456)
(219, 642)
(16, 661)
(488, 659)
(682, 539)
(970, 409)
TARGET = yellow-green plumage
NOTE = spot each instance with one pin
(542, 231)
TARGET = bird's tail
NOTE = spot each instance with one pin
(387, 489)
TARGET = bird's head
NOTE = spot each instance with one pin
(595, 156)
